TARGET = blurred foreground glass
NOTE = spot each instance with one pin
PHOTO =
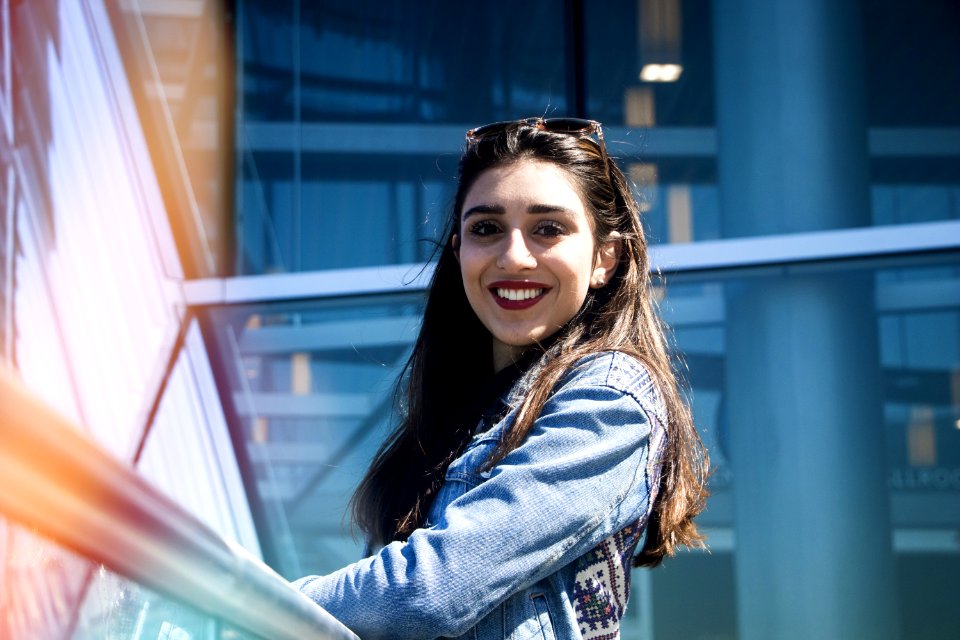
(47, 591)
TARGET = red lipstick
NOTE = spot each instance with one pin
(527, 293)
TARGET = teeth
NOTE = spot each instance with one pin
(519, 294)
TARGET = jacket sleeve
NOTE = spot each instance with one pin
(579, 477)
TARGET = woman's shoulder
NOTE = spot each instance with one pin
(618, 370)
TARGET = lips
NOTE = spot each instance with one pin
(515, 295)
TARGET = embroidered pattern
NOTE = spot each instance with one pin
(602, 585)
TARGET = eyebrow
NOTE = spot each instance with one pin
(496, 209)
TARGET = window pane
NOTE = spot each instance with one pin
(401, 62)
(667, 135)
(869, 354)
(353, 115)
(912, 84)
(626, 39)
(312, 388)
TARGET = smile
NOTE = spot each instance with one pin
(517, 295)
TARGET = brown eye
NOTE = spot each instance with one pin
(550, 229)
(484, 228)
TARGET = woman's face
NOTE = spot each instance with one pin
(527, 254)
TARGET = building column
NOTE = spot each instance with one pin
(813, 538)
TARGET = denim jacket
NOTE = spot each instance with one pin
(537, 547)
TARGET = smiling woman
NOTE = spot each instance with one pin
(542, 439)
(527, 254)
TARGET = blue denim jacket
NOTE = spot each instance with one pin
(537, 547)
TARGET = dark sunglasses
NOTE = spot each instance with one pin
(578, 127)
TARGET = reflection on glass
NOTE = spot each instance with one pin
(120, 609)
(662, 48)
(187, 454)
(350, 124)
(312, 386)
(661, 72)
(912, 317)
(179, 68)
(40, 585)
(47, 591)
(678, 199)
(373, 61)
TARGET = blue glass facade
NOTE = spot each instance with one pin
(386, 169)
(218, 219)
(346, 121)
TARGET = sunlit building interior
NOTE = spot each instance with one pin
(217, 221)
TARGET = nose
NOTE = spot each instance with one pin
(515, 254)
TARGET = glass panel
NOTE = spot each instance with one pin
(370, 61)
(678, 198)
(914, 172)
(116, 608)
(901, 81)
(179, 67)
(704, 579)
(650, 63)
(93, 308)
(328, 146)
(312, 386)
(386, 212)
(913, 84)
(41, 585)
(928, 592)
(872, 347)
(344, 156)
(47, 591)
(906, 190)
(792, 351)
(188, 453)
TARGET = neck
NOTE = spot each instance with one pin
(504, 355)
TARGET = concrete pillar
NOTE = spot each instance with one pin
(813, 538)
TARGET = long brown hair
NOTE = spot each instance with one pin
(395, 495)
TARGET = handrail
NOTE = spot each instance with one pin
(56, 480)
(778, 250)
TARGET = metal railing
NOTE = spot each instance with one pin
(56, 480)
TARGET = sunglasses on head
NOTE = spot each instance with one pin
(578, 127)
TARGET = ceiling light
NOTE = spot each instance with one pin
(661, 72)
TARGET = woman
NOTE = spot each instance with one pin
(542, 435)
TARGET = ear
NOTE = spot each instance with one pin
(605, 264)
(455, 243)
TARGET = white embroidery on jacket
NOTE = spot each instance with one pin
(601, 588)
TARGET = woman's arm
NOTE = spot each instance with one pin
(580, 476)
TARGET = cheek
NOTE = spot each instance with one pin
(467, 261)
(578, 292)
(471, 270)
(580, 265)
